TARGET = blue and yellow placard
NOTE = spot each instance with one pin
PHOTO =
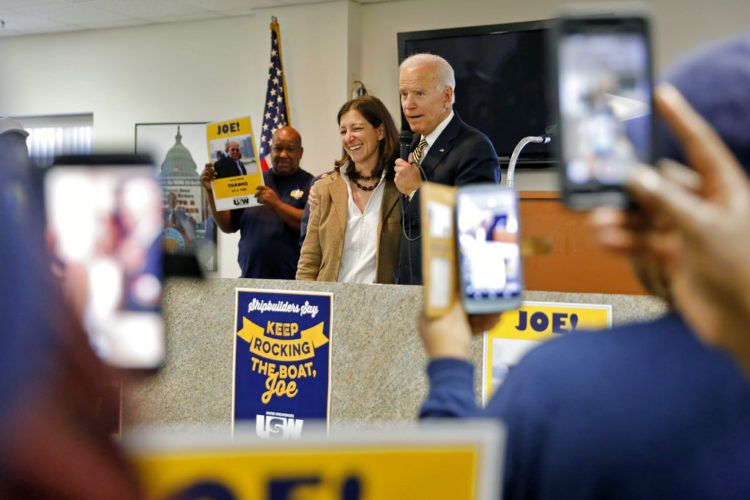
(520, 330)
(282, 360)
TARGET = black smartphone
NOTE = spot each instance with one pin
(602, 68)
(105, 220)
(487, 232)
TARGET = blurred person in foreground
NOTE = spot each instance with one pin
(640, 411)
(444, 150)
(354, 232)
(53, 442)
(269, 233)
(698, 222)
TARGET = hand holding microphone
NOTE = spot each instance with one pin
(405, 144)
(408, 178)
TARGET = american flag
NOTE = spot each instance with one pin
(275, 110)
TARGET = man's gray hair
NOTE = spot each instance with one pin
(443, 69)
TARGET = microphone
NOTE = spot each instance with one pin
(405, 142)
(550, 131)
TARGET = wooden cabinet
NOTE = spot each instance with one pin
(575, 263)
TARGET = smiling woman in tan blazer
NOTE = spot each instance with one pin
(348, 238)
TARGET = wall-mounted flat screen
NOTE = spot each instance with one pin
(501, 81)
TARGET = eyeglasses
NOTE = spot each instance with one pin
(234, 149)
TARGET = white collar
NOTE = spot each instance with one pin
(432, 136)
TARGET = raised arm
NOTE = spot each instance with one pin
(289, 214)
(223, 218)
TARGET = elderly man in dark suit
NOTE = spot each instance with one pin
(445, 149)
(231, 165)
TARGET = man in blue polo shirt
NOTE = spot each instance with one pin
(269, 233)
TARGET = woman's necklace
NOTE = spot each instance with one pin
(356, 176)
(365, 188)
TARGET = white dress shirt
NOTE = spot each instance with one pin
(432, 136)
(359, 256)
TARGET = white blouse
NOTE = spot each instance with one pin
(358, 259)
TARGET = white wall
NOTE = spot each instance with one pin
(216, 69)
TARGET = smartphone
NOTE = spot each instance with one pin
(487, 232)
(604, 105)
(104, 223)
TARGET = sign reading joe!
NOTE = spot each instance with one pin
(282, 360)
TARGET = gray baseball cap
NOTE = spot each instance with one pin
(9, 125)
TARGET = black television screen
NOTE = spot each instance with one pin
(501, 75)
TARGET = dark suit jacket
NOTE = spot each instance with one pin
(460, 155)
(226, 167)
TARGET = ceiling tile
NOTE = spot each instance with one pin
(179, 17)
(148, 9)
(33, 4)
(74, 13)
(29, 22)
(222, 5)
(48, 16)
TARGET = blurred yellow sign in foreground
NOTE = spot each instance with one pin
(451, 462)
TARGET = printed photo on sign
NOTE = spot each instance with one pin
(232, 151)
(534, 322)
(282, 360)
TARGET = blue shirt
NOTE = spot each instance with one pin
(269, 248)
(640, 411)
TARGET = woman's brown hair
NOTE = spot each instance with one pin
(374, 111)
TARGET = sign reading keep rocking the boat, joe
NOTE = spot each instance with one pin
(282, 360)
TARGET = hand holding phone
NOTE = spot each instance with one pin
(603, 95)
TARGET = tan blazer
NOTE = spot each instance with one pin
(320, 257)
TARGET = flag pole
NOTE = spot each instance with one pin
(275, 27)
(276, 106)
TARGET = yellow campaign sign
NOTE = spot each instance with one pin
(229, 128)
(519, 331)
(540, 320)
(234, 186)
(236, 191)
(282, 350)
(416, 471)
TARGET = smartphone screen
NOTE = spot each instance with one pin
(604, 104)
(487, 230)
(104, 226)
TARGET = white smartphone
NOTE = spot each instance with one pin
(487, 232)
(104, 218)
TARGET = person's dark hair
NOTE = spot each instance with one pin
(374, 111)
